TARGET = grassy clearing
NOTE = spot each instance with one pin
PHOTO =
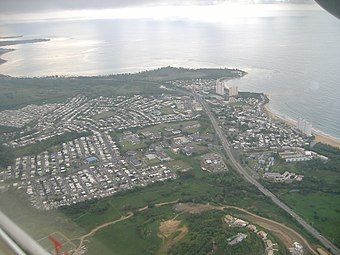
(321, 210)
(37, 223)
(104, 115)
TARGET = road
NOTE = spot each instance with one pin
(226, 146)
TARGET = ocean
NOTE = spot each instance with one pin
(293, 57)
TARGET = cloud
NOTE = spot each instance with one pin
(22, 6)
(211, 13)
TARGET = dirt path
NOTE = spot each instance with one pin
(167, 203)
(104, 225)
(93, 231)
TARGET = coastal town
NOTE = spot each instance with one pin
(252, 130)
(83, 149)
(103, 145)
(201, 127)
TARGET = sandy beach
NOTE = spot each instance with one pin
(326, 139)
(319, 136)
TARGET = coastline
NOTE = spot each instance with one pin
(326, 139)
(319, 136)
(2, 52)
(15, 42)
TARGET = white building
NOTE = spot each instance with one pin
(304, 126)
(297, 249)
(220, 87)
(233, 91)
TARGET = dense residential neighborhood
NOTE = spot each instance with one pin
(112, 151)
(92, 166)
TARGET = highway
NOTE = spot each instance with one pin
(226, 146)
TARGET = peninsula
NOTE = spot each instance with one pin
(6, 42)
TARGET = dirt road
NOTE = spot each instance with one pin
(104, 225)
(286, 234)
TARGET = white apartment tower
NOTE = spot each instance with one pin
(233, 91)
(304, 126)
(220, 87)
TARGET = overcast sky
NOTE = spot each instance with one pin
(19, 6)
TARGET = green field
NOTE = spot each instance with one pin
(321, 210)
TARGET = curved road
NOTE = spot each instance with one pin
(226, 146)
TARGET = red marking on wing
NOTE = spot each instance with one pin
(57, 245)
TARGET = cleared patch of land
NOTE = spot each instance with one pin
(171, 232)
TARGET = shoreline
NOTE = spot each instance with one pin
(319, 136)
(15, 42)
(3, 51)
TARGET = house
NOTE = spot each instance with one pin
(252, 228)
(236, 239)
(262, 234)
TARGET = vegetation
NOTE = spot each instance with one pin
(18, 92)
(317, 196)
(198, 186)
(178, 73)
(250, 95)
(6, 156)
(208, 228)
(6, 129)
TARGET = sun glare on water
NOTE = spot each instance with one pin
(209, 13)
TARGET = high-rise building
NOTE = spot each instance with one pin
(304, 126)
(220, 87)
(233, 91)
